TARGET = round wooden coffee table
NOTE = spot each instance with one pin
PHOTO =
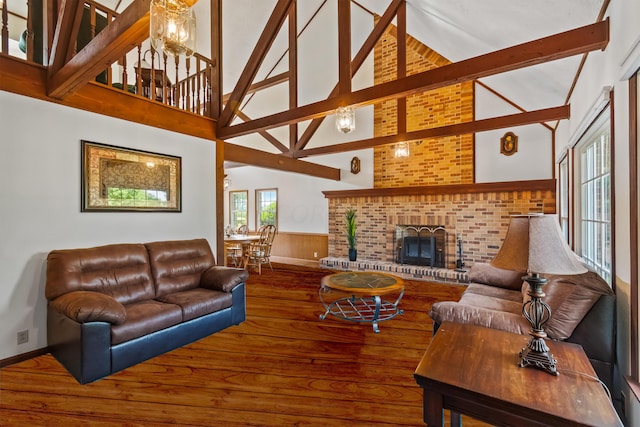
(364, 302)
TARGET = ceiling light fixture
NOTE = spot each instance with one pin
(401, 150)
(172, 27)
(345, 119)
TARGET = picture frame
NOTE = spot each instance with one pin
(116, 179)
(509, 144)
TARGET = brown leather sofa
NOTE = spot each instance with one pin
(111, 307)
(582, 310)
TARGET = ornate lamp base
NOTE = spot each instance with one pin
(541, 360)
(536, 353)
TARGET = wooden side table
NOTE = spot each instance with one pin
(473, 370)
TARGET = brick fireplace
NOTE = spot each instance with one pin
(477, 214)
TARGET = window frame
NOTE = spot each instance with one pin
(564, 207)
(258, 203)
(586, 178)
(634, 228)
(232, 217)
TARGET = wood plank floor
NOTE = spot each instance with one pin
(282, 367)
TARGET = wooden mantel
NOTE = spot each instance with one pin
(489, 187)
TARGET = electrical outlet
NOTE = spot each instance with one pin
(23, 337)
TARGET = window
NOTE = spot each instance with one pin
(136, 197)
(238, 208)
(594, 215)
(266, 207)
(563, 196)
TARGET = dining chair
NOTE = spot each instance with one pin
(235, 250)
(259, 252)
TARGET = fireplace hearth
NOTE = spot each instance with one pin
(423, 245)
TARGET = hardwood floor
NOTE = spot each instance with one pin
(282, 367)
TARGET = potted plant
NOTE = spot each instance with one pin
(350, 222)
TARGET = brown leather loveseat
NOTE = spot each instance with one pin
(582, 310)
(111, 307)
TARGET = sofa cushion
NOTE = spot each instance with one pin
(449, 311)
(84, 306)
(178, 265)
(494, 292)
(144, 318)
(198, 302)
(487, 274)
(120, 271)
(492, 302)
(570, 299)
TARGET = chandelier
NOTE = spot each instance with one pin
(172, 27)
(345, 119)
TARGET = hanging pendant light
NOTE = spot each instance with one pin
(402, 150)
(172, 27)
(345, 119)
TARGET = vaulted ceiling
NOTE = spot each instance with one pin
(476, 36)
(459, 30)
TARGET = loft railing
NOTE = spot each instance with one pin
(176, 82)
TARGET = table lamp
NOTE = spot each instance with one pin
(534, 243)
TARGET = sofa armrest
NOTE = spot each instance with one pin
(449, 311)
(222, 278)
(87, 306)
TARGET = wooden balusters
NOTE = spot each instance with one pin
(125, 80)
(176, 100)
(199, 86)
(139, 72)
(165, 86)
(29, 34)
(187, 105)
(5, 27)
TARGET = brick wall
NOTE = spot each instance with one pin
(432, 161)
(480, 219)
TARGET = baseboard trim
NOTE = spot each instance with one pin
(24, 356)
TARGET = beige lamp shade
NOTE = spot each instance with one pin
(534, 243)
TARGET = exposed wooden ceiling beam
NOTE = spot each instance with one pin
(518, 119)
(237, 153)
(293, 71)
(263, 44)
(66, 32)
(569, 43)
(119, 37)
(357, 62)
(344, 46)
(402, 65)
(216, 57)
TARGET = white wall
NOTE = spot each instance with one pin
(40, 207)
(534, 158)
(603, 71)
(302, 207)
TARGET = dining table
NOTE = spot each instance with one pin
(243, 239)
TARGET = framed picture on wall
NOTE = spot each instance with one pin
(122, 179)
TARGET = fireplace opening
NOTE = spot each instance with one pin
(421, 245)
